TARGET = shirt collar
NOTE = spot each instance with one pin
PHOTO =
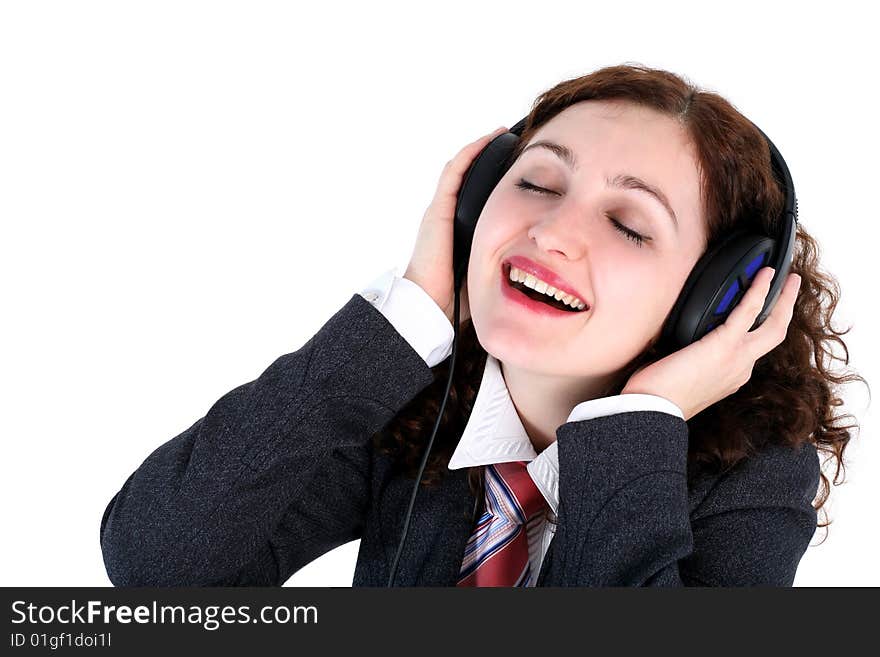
(494, 432)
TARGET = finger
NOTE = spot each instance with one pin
(749, 307)
(497, 131)
(453, 172)
(470, 150)
(773, 331)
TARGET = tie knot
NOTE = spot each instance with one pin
(511, 492)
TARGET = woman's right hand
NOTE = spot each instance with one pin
(430, 266)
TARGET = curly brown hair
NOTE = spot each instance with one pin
(790, 396)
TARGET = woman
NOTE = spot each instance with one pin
(638, 471)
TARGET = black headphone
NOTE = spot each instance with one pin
(713, 289)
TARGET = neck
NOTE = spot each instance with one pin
(544, 403)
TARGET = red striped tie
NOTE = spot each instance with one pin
(497, 553)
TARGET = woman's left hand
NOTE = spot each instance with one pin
(720, 362)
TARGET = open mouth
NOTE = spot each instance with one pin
(540, 297)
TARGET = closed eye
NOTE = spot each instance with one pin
(638, 238)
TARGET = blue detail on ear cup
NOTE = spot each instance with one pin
(739, 285)
(755, 265)
(728, 297)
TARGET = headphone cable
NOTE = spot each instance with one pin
(431, 441)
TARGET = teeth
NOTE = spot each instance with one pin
(519, 276)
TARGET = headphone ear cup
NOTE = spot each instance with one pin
(486, 170)
(715, 286)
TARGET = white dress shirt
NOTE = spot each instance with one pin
(494, 432)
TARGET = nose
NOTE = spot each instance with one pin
(563, 232)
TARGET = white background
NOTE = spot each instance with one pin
(189, 190)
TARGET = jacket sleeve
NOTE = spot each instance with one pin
(277, 471)
(544, 468)
(624, 517)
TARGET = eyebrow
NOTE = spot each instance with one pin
(620, 181)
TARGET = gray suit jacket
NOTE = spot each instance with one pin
(280, 470)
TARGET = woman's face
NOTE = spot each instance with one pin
(628, 288)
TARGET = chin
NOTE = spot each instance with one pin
(519, 351)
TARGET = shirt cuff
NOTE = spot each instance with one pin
(413, 314)
(623, 404)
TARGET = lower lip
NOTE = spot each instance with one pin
(535, 306)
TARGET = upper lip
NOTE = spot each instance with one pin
(545, 274)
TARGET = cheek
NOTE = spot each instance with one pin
(630, 300)
(494, 231)
(506, 214)
(622, 298)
